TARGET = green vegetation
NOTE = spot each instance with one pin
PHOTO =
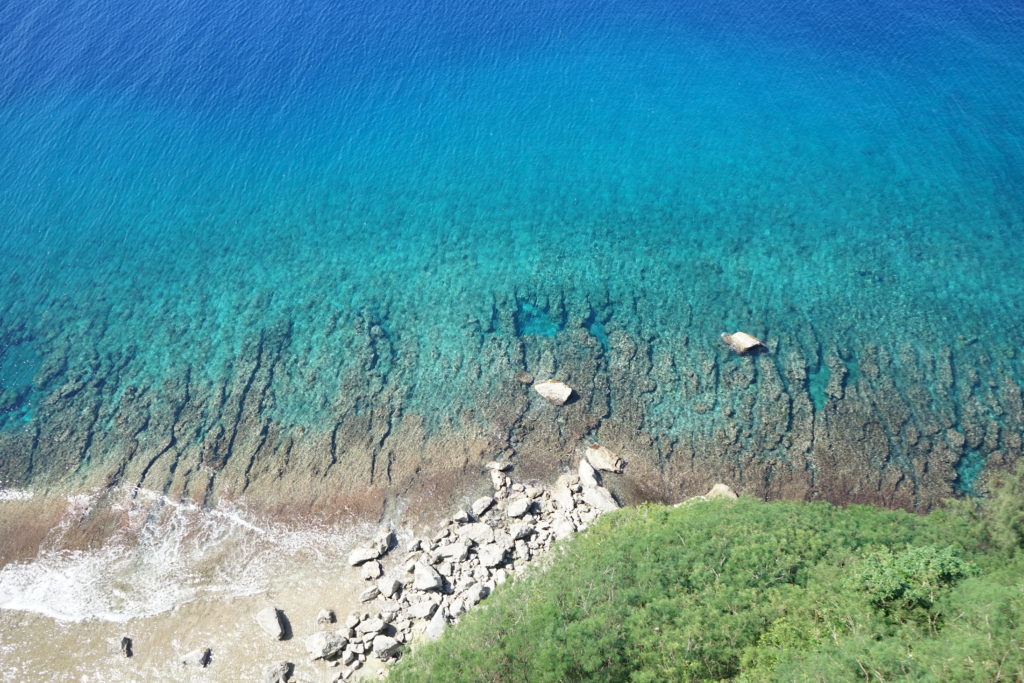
(758, 592)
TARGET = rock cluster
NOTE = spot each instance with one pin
(442, 576)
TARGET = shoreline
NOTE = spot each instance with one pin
(300, 586)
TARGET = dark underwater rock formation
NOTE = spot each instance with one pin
(321, 407)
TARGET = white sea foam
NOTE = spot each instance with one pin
(14, 494)
(166, 553)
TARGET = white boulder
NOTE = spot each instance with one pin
(556, 393)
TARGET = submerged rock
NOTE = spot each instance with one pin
(557, 393)
(741, 342)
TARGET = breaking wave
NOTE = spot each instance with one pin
(164, 553)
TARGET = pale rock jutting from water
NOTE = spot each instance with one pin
(603, 459)
(557, 393)
(741, 342)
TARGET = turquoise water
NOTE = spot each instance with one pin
(300, 238)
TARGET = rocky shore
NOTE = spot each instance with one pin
(414, 593)
(415, 586)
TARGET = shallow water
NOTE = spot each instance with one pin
(293, 256)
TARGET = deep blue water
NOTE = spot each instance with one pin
(177, 176)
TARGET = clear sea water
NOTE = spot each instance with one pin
(267, 239)
(181, 182)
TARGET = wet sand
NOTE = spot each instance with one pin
(297, 580)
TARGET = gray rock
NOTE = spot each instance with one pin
(600, 458)
(372, 625)
(385, 647)
(352, 621)
(435, 628)
(389, 587)
(461, 517)
(277, 673)
(562, 526)
(534, 492)
(369, 594)
(475, 593)
(372, 570)
(422, 610)
(324, 616)
(482, 505)
(520, 530)
(599, 498)
(199, 658)
(124, 647)
(562, 493)
(519, 507)
(425, 578)
(361, 555)
(349, 656)
(503, 539)
(499, 466)
(491, 554)
(457, 551)
(269, 619)
(477, 532)
(384, 541)
(325, 644)
(498, 480)
(588, 477)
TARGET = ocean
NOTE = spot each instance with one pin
(295, 258)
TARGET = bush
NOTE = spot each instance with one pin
(748, 591)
